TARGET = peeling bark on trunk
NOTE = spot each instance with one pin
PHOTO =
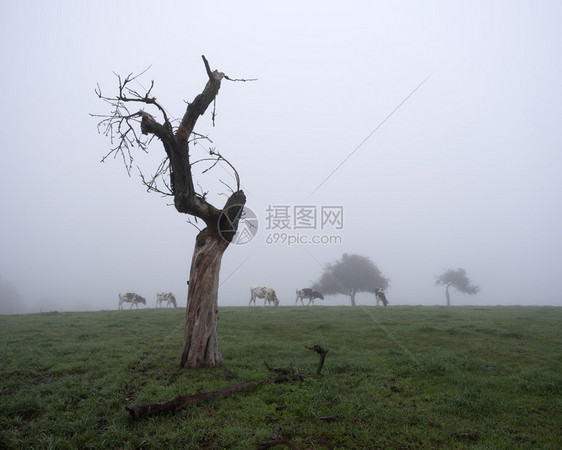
(201, 348)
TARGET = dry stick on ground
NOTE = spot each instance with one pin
(185, 401)
(322, 352)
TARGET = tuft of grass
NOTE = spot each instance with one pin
(397, 377)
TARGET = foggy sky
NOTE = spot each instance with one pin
(465, 173)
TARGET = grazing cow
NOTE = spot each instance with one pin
(129, 297)
(266, 293)
(308, 293)
(167, 297)
(379, 294)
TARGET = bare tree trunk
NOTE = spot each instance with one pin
(353, 302)
(201, 348)
(448, 296)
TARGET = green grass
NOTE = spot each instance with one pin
(397, 377)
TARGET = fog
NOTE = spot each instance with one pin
(434, 127)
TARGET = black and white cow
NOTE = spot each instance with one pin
(308, 293)
(132, 298)
(267, 293)
(379, 294)
(167, 297)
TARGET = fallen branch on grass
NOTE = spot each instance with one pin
(322, 352)
(185, 401)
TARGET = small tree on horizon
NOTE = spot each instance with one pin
(458, 280)
(350, 275)
(10, 298)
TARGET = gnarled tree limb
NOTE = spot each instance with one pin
(121, 125)
(179, 402)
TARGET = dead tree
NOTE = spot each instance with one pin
(131, 128)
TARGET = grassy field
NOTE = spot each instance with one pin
(397, 377)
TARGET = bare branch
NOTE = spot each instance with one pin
(195, 137)
(200, 104)
(240, 79)
(193, 224)
(121, 130)
(128, 129)
(214, 113)
(229, 188)
(152, 185)
(128, 94)
(236, 176)
(207, 67)
(216, 160)
(203, 193)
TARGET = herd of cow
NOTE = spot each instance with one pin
(135, 299)
(266, 293)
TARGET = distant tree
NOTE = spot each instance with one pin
(135, 119)
(350, 275)
(10, 298)
(458, 280)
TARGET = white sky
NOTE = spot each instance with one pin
(466, 173)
